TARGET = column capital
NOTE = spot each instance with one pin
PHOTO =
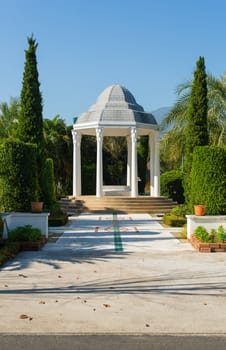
(99, 134)
(134, 134)
(76, 136)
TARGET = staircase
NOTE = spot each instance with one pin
(120, 204)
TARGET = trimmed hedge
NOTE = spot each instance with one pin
(60, 220)
(18, 175)
(171, 185)
(174, 220)
(48, 183)
(208, 179)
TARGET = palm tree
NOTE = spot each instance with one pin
(9, 114)
(172, 147)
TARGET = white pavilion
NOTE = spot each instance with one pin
(116, 113)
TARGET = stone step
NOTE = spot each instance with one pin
(141, 204)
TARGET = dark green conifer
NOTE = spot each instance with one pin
(197, 131)
(30, 128)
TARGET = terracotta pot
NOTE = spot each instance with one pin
(200, 210)
(36, 207)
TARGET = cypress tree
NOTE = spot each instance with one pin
(197, 131)
(30, 128)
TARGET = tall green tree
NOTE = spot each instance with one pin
(30, 128)
(9, 116)
(175, 123)
(58, 145)
(197, 130)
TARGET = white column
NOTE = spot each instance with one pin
(157, 166)
(99, 164)
(79, 163)
(152, 162)
(75, 162)
(128, 182)
(134, 186)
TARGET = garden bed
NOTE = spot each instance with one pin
(30, 246)
(205, 247)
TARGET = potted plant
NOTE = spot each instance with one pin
(36, 205)
(200, 209)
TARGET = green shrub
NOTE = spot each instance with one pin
(208, 179)
(201, 234)
(171, 185)
(8, 251)
(58, 220)
(48, 183)
(18, 175)
(215, 236)
(25, 233)
(173, 220)
(180, 210)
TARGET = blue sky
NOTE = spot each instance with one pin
(148, 46)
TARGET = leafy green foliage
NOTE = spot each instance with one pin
(48, 183)
(30, 128)
(9, 116)
(8, 251)
(18, 175)
(208, 175)
(171, 185)
(114, 160)
(58, 145)
(60, 220)
(201, 234)
(180, 210)
(25, 233)
(215, 236)
(196, 131)
(174, 220)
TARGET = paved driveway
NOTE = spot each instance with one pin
(114, 273)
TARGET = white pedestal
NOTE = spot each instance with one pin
(207, 221)
(14, 220)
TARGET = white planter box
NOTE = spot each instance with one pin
(207, 221)
(14, 220)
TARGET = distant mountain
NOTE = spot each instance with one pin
(160, 113)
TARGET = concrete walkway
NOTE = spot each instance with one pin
(114, 274)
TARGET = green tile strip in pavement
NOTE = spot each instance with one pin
(117, 235)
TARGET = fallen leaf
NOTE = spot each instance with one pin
(107, 305)
(42, 302)
(23, 316)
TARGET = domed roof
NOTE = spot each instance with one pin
(116, 104)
